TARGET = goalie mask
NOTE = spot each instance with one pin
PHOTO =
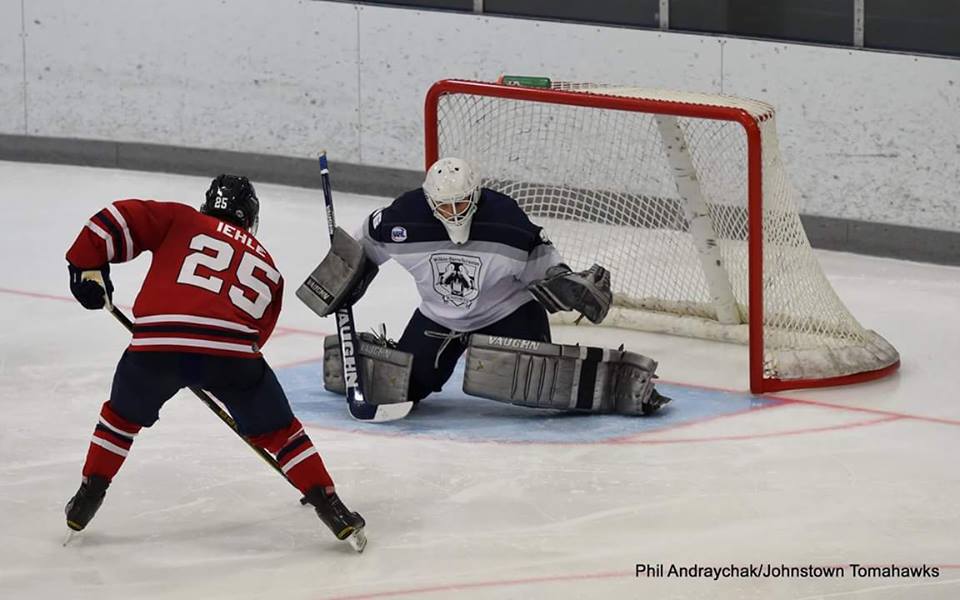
(233, 199)
(452, 188)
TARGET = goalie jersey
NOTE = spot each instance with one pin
(463, 287)
(211, 288)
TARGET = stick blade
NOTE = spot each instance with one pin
(379, 413)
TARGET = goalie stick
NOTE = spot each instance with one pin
(359, 408)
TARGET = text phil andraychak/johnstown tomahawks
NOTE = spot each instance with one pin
(767, 570)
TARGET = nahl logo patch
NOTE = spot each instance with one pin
(456, 277)
(398, 234)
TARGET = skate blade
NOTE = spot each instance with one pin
(358, 540)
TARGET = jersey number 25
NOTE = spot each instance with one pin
(220, 262)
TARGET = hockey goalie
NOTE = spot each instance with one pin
(487, 277)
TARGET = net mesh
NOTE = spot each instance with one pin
(602, 185)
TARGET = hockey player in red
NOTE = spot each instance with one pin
(208, 304)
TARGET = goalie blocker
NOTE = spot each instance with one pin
(341, 278)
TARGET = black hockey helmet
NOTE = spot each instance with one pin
(233, 199)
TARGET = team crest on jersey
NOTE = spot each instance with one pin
(456, 277)
(398, 234)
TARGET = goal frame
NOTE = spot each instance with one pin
(750, 123)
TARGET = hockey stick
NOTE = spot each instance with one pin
(212, 405)
(359, 408)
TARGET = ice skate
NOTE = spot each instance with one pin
(344, 524)
(85, 503)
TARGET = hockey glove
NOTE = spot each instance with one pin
(587, 292)
(91, 287)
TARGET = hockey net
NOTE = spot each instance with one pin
(684, 198)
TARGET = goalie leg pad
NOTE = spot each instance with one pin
(385, 371)
(559, 377)
(633, 392)
(340, 279)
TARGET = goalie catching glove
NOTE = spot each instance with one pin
(587, 292)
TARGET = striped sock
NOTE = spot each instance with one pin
(297, 457)
(110, 443)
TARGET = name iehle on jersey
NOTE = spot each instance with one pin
(241, 236)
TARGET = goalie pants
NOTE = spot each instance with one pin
(529, 322)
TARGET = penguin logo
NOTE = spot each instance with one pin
(456, 278)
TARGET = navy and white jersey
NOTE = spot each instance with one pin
(468, 286)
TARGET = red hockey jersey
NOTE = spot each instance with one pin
(211, 288)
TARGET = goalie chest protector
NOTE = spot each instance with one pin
(463, 287)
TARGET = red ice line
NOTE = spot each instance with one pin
(483, 584)
(279, 331)
(886, 417)
(637, 439)
(632, 438)
(782, 401)
(525, 581)
(754, 436)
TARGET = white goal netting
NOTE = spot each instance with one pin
(662, 202)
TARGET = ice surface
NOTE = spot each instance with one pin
(466, 498)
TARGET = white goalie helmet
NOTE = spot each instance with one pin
(452, 187)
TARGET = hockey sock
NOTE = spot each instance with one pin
(297, 457)
(110, 444)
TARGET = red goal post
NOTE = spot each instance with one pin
(692, 207)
